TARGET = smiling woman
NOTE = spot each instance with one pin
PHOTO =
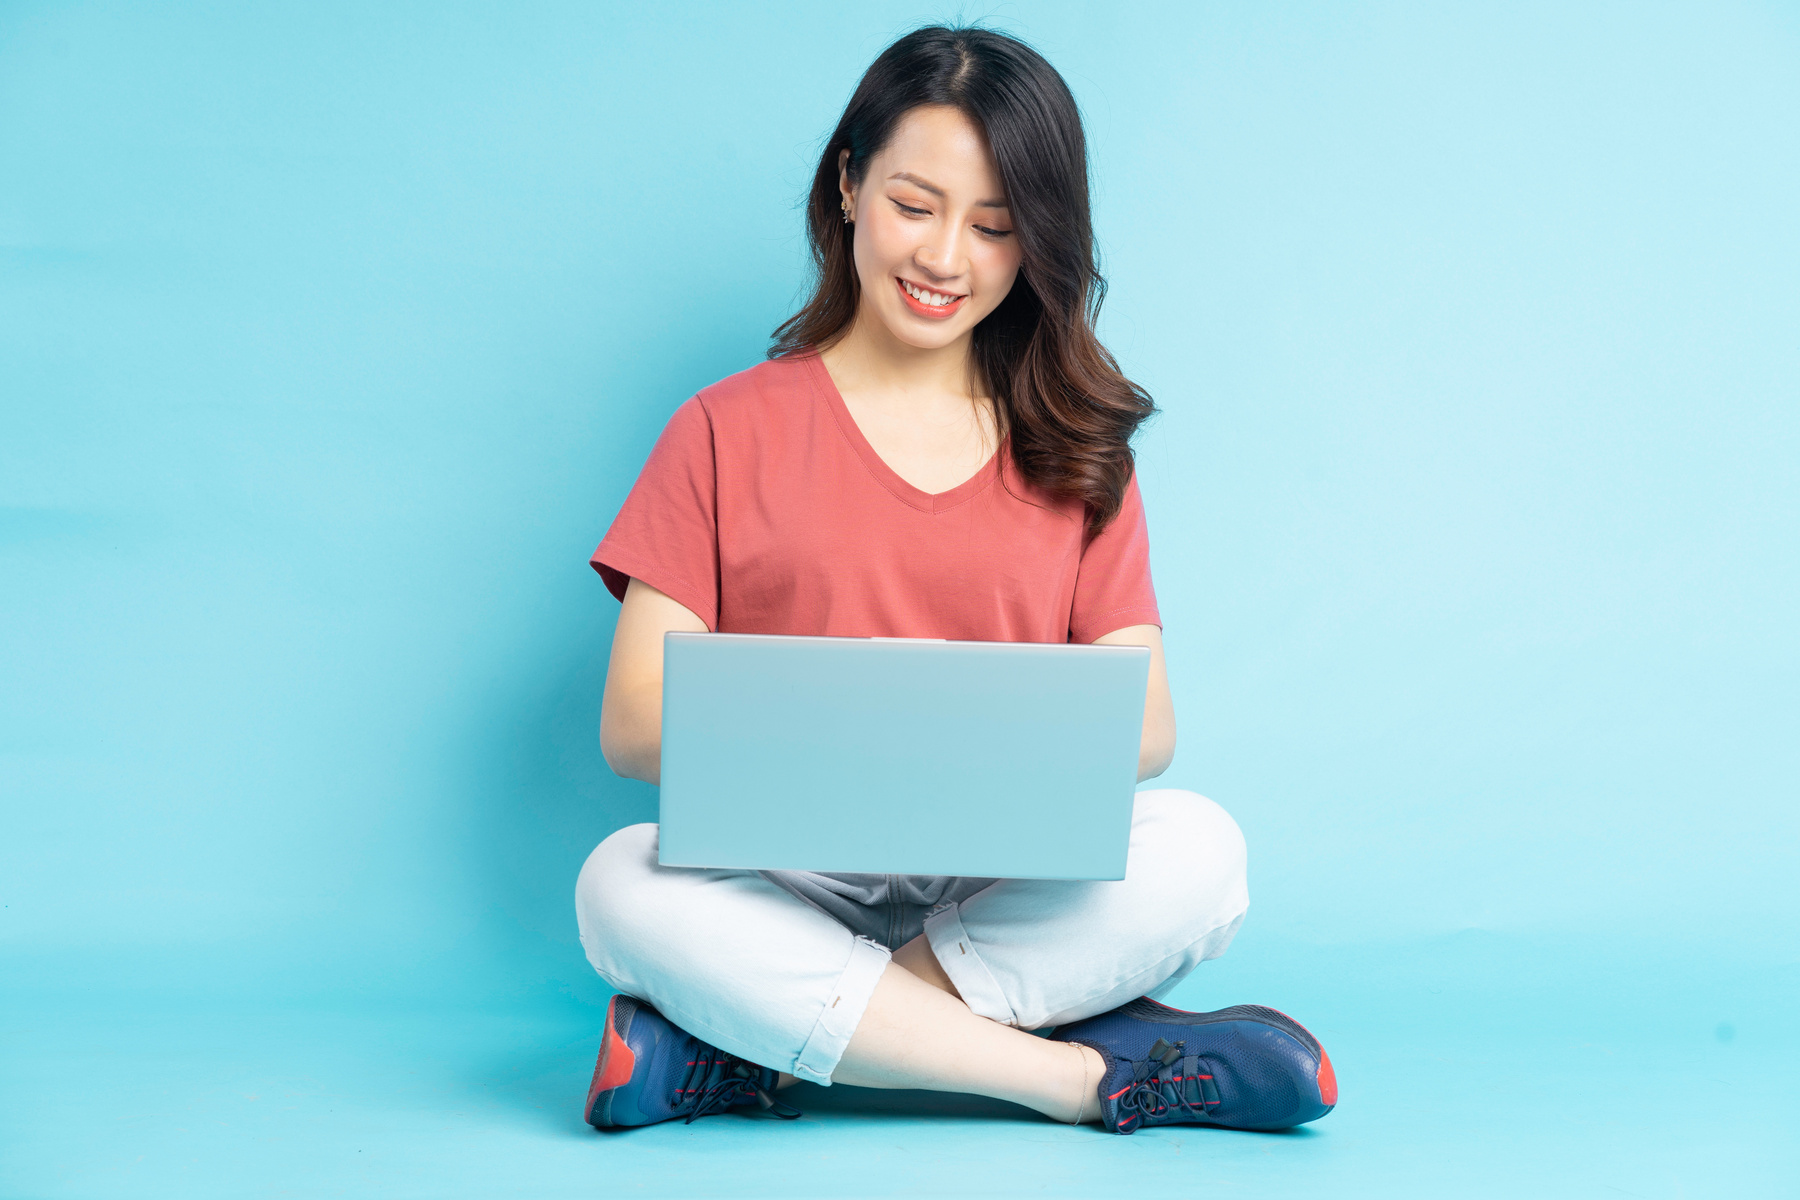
(950, 212)
(938, 447)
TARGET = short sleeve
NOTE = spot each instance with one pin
(1112, 587)
(666, 533)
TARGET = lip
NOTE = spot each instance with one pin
(925, 310)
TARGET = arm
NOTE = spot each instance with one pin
(631, 711)
(1159, 707)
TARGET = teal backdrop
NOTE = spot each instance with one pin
(332, 335)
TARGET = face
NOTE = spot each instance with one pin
(934, 244)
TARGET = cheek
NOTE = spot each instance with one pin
(882, 242)
(996, 270)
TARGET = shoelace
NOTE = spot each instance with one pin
(1168, 1085)
(715, 1080)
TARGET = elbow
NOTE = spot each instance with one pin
(609, 752)
(1158, 751)
(618, 759)
(612, 749)
(1154, 763)
(622, 731)
(627, 758)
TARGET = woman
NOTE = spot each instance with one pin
(938, 446)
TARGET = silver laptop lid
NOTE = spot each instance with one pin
(900, 755)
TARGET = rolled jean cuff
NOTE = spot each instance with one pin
(956, 953)
(819, 1057)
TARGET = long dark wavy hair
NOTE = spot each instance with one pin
(1070, 411)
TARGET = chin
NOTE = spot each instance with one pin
(909, 331)
(927, 342)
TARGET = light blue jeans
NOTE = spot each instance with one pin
(777, 967)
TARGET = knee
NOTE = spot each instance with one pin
(1194, 846)
(611, 888)
(1212, 828)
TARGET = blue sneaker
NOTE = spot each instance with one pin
(1245, 1067)
(650, 1070)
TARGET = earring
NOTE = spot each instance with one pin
(846, 207)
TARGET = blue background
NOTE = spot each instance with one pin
(332, 335)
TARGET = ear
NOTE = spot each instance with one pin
(844, 188)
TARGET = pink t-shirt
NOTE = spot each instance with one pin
(763, 509)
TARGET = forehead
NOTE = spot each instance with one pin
(943, 145)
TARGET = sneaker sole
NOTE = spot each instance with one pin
(616, 1062)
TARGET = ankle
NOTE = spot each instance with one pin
(1083, 1105)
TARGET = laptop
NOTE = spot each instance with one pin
(904, 756)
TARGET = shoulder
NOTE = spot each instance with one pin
(761, 394)
(745, 417)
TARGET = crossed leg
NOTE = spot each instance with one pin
(917, 1033)
(726, 955)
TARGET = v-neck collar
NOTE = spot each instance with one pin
(931, 502)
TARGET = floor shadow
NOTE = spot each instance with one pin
(843, 1099)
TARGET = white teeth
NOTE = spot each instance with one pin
(924, 297)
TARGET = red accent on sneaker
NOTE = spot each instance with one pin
(1327, 1076)
(616, 1062)
(1327, 1079)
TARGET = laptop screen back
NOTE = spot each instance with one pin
(900, 756)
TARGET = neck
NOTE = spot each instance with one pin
(869, 358)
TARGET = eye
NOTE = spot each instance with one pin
(908, 209)
(993, 233)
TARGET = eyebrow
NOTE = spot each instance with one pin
(935, 190)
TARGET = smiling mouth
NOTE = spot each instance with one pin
(927, 303)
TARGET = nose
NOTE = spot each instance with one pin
(941, 254)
